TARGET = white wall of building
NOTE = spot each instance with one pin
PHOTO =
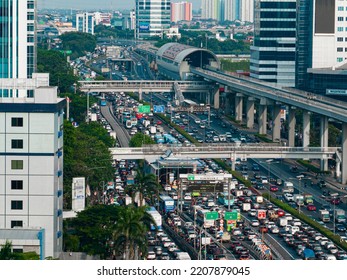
(247, 10)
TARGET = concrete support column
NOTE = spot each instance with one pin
(216, 99)
(140, 94)
(276, 125)
(238, 107)
(306, 129)
(227, 103)
(262, 118)
(250, 112)
(344, 154)
(291, 127)
(324, 132)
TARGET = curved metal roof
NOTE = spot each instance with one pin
(177, 52)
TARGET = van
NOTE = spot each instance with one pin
(330, 257)
(288, 187)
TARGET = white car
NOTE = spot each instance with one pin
(197, 121)
(275, 229)
(151, 255)
(254, 223)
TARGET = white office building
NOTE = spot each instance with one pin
(85, 22)
(152, 18)
(247, 10)
(31, 140)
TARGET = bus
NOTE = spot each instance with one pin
(166, 203)
(156, 217)
(103, 102)
(169, 139)
(223, 199)
(159, 139)
(126, 116)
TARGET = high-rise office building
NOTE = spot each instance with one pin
(181, 11)
(321, 45)
(85, 22)
(273, 50)
(17, 42)
(152, 18)
(247, 10)
(31, 142)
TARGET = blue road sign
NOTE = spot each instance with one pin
(158, 108)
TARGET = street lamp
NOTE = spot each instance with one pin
(268, 161)
(299, 178)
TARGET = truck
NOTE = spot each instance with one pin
(288, 187)
(182, 256)
(308, 199)
(246, 207)
(146, 123)
(259, 199)
(299, 199)
(324, 216)
(340, 216)
(282, 221)
(156, 217)
(272, 215)
(127, 200)
(113, 134)
(93, 117)
(153, 129)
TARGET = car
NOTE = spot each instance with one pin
(158, 250)
(273, 188)
(255, 223)
(165, 256)
(259, 186)
(197, 121)
(151, 255)
(263, 229)
(311, 207)
(159, 122)
(255, 167)
(280, 212)
(275, 229)
(340, 228)
(335, 201)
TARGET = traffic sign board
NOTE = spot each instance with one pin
(191, 178)
(158, 108)
(211, 215)
(144, 109)
(261, 214)
(230, 216)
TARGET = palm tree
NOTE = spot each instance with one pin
(130, 232)
(145, 185)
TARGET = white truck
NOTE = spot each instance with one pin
(299, 199)
(93, 117)
(113, 134)
(282, 221)
(246, 207)
(324, 216)
(182, 256)
(153, 129)
(340, 216)
(288, 187)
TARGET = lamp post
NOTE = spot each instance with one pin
(268, 161)
(300, 177)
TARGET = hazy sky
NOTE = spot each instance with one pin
(98, 4)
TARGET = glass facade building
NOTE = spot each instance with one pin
(152, 18)
(17, 40)
(273, 50)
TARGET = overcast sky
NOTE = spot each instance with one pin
(97, 4)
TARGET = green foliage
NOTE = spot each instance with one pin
(7, 254)
(334, 136)
(230, 66)
(311, 167)
(140, 139)
(79, 43)
(85, 155)
(108, 31)
(96, 130)
(60, 72)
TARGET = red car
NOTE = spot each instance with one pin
(273, 188)
(159, 122)
(280, 213)
(311, 207)
(335, 201)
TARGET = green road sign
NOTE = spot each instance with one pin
(211, 216)
(144, 109)
(191, 177)
(230, 216)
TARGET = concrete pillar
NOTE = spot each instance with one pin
(140, 94)
(324, 132)
(291, 127)
(227, 102)
(276, 124)
(306, 129)
(262, 118)
(250, 112)
(344, 154)
(216, 99)
(238, 107)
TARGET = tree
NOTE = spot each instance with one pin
(78, 42)
(145, 186)
(130, 232)
(94, 229)
(97, 130)
(139, 139)
(60, 72)
(7, 254)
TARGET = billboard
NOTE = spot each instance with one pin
(144, 109)
(158, 109)
(78, 194)
(144, 27)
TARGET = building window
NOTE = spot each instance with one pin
(16, 224)
(339, 18)
(17, 164)
(339, 29)
(17, 122)
(17, 144)
(339, 49)
(340, 8)
(16, 204)
(339, 59)
(339, 39)
(16, 185)
(17, 250)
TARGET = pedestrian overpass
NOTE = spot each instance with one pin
(152, 153)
